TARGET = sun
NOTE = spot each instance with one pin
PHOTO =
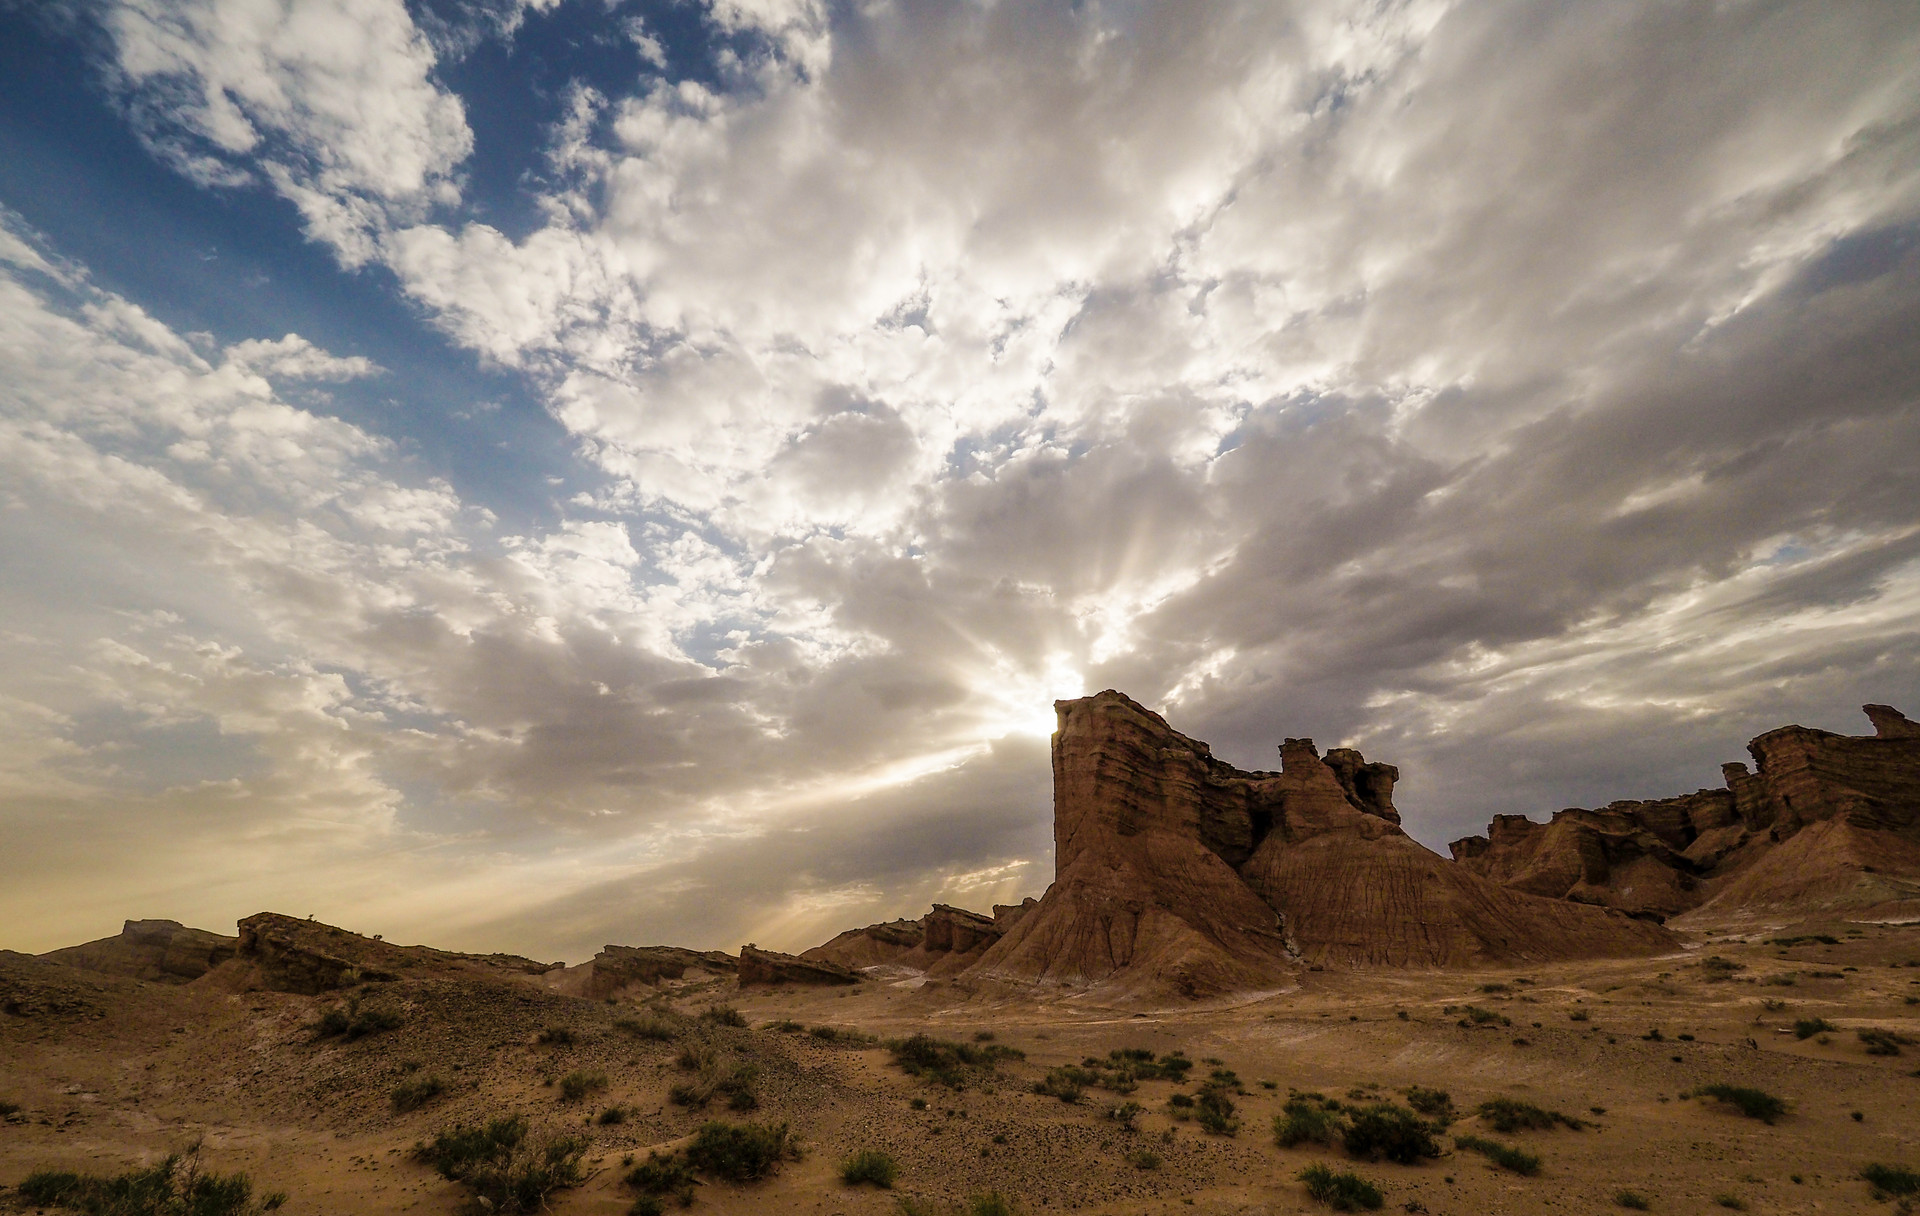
(1018, 700)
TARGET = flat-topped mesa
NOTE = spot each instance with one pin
(161, 951)
(1823, 822)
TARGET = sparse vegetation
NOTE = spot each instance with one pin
(718, 1078)
(1728, 1200)
(556, 1036)
(351, 1022)
(741, 1152)
(654, 1027)
(612, 1115)
(663, 1174)
(1341, 1192)
(1505, 1156)
(785, 1026)
(1433, 1103)
(412, 1095)
(843, 1036)
(176, 1186)
(1717, 970)
(1477, 1016)
(577, 1085)
(1067, 1084)
(1509, 1115)
(1632, 1199)
(870, 1165)
(1881, 1042)
(512, 1171)
(1385, 1130)
(1144, 1159)
(1803, 939)
(1213, 1111)
(1891, 1179)
(723, 1015)
(951, 1064)
(1126, 1113)
(1751, 1102)
(1305, 1119)
(1806, 1028)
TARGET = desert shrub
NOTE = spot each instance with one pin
(1483, 1017)
(511, 1171)
(1728, 1200)
(612, 1115)
(1304, 1122)
(1579, 1015)
(1144, 1159)
(718, 1078)
(577, 1085)
(741, 1152)
(870, 1165)
(663, 1174)
(1804, 938)
(1504, 1156)
(1066, 1084)
(1891, 1179)
(695, 1057)
(352, 1022)
(1806, 1028)
(1213, 1111)
(1509, 1115)
(945, 1061)
(785, 1026)
(412, 1095)
(1385, 1130)
(992, 1203)
(723, 1015)
(1753, 1103)
(1718, 970)
(1632, 1199)
(1433, 1103)
(175, 1187)
(1882, 1042)
(556, 1036)
(843, 1036)
(653, 1027)
(1495, 987)
(1125, 1113)
(1341, 1192)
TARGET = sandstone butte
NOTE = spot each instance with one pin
(1824, 824)
(1179, 876)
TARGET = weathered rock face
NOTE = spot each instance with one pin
(759, 966)
(618, 967)
(1726, 851)
(162, 951)
(946, 941)
(307, 956)
(1180, 875)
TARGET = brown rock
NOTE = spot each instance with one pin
(1725, 852)
(619, 967)
(162, 951)
(306, 956)
(759, 966)
(874, 946)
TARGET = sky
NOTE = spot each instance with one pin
(532, 474)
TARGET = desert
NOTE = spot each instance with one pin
(1162, 1030)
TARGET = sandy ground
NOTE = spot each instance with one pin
(108, 1073)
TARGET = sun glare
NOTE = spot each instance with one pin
(1019, 701)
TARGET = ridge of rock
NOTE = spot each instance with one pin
(759, 966)
(1824, 822)
(159, 951)
(307, 956)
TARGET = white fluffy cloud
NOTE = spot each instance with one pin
(1524, 392)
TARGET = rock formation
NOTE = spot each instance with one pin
(294, 955)
(946, 941)
(161, 951)
(759, 966)
(1823, 823)
(1180, 875)
(618, 967)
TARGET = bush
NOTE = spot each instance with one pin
(352, 1022)
(612, 1115)
(1753, 1103)
(577, 1085)
(412, 1095)
(1213, 1111)
(1517, 1160)
(729, 1079)
(1727, 1200)
(511, 1171)
(175, 1187)
(653, 1027)
(1433, 1103)
(1301, 1121)
(870, 1165)
(723, 1015)
(1883, 1042)
(1066, 1084)
(945, 1061)
(1125, 1113)
(556, 1036)
(1632, 1199)
(1341, 1192)
(1508, 1115)
(1483, 1017)
(741, 1152)
(1144, 1159)
(1385, 1130)
(1806, 1028)
(663, 1174)
(1891, 1179)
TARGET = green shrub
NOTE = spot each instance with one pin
(1144, 1159)
(723, 1015)
(1483, 1017)
(1726, 1200)
(1891, 1179)
(1509, 1115)
(1632, 1199)
(1882, 1042)
(949, 1063)
(1066, 1084)
(1804, 938)
(577, 1085)
(504, 1166)
(556, 1036)
(843, 1036)
(1385, 1130)
(612, 1115)
(1507, 1158)
(870, 1165)
(785, 1026)
(1301, 1121)
(992, 1203)
(653, 1027)
(741, 1152)
(1213, 1111)
(1341, 1192)
(719, 1078)
(412, 1095)
(1125, 1113)
(1753, 1103)
(663, 1174)
(1433, 1103)
(352, 1022)
(1806, 1028)
(175, 1187)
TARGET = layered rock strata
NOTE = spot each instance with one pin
(946, 941)
(160, 951)
(1822, 823)
(759, 966)
(306, 956)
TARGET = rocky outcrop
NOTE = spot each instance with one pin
(759, 966)
(1179, 875)
(946, 941)
(619, 967)
(1751, 846)
(160, 951)
(306, 956)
